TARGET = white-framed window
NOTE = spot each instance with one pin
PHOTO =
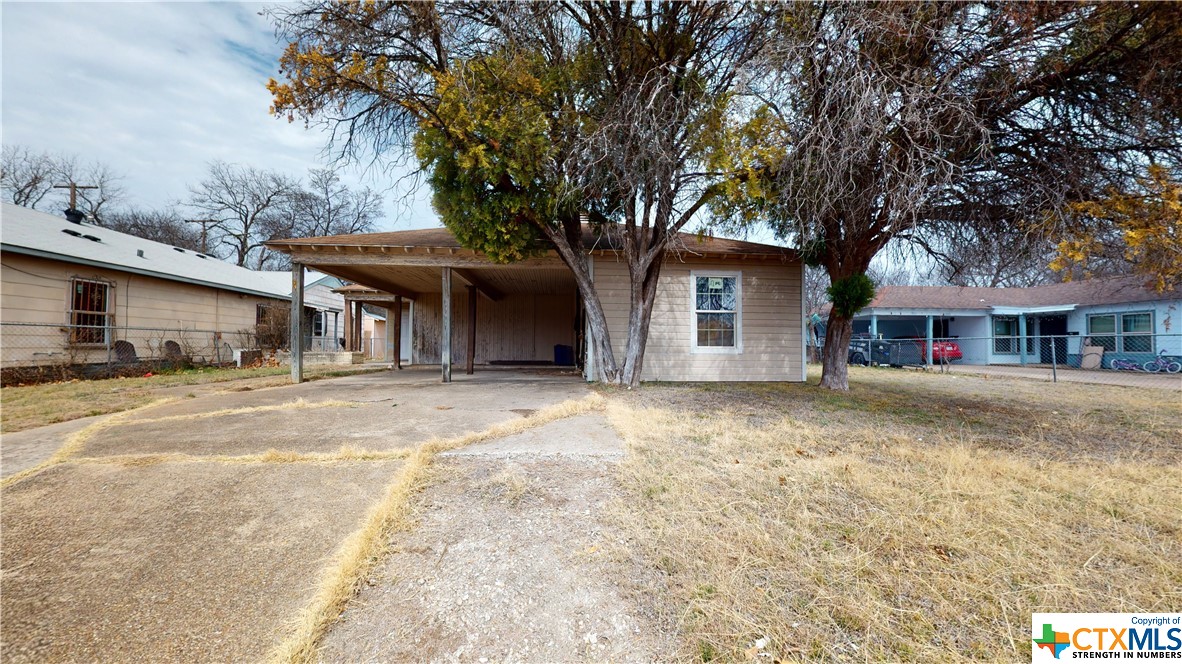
(716, 325)
(1005, 335)
(89, 312)
(1130, 332)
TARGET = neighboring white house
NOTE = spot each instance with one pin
(1016, 325)
(77, 293)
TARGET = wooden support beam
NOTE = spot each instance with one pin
(445, 342)
(358, 327)
(296, 324)
(470, 278)
(397, 333)
(471, 329)
(348, 325)
(390, 316)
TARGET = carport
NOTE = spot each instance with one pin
(514, 314)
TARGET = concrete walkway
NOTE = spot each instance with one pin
(122, 554)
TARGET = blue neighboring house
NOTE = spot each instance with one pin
(1017, 325)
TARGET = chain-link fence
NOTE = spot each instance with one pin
(37, 352)
(1147, 360)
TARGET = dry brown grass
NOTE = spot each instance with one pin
(364, 547)
(917, 518)
(26, 407)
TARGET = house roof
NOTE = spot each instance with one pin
(1114, 290)
(442, 238)
(33, 233)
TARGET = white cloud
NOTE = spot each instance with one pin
(156, 90)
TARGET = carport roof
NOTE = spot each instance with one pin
(407, 263)
(442, 238)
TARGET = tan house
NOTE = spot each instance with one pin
(80, 293)
(725, 311)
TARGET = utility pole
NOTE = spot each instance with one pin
(205, 224)
(74, 187)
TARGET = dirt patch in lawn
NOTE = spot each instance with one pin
(171, 561)
(510, 560)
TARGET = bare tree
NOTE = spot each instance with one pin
(164, 225)
(104, 185)
(324, 206)
(26, 176)
(884, 121)
(247, 206)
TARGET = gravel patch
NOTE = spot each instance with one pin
(510, 560)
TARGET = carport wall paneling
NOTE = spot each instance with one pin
(771, 321)
(518, 327)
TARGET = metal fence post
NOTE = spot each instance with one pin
(1054, 362)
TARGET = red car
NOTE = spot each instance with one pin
(942, 349)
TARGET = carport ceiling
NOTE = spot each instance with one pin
(411, 280)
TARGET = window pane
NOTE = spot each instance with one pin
(715, 293)
(1138, 343)
(1136, 322)
(1004, 327)
(1101, 324)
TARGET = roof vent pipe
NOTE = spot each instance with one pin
(139, 252)
(75, 216)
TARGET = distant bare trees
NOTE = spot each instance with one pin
(247, 206)
(230, 213)
(28, 177)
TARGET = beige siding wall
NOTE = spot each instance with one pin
(771, 323)
(517, 327)
(35, 290)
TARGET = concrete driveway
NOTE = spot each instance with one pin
(165, 537)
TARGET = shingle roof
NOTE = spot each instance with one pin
(442, 238)
(1114, 290)
(33, 233)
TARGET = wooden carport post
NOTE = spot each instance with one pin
(348, 326)
(445, 342)
(296, 324)
(397, 331)
(358, 328)
(390, 335)
(472, 295)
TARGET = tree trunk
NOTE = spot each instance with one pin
(640, 315)
(600, 338)
(834, 359)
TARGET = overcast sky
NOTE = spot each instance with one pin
(156, 90)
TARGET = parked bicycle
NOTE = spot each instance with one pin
(1162, 363)
(1125, 365)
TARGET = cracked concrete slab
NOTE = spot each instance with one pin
(22, 450)
(172, 561)
(389, 410)
(579, 436)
